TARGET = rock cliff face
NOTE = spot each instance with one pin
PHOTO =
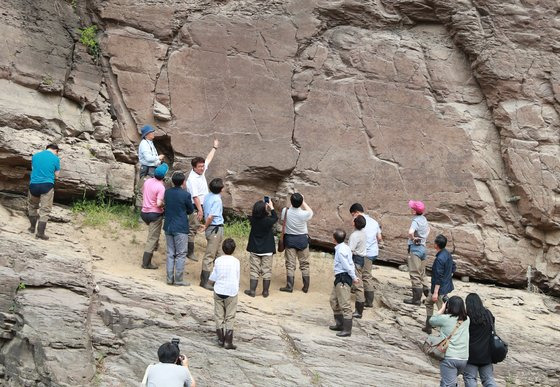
(452, 102)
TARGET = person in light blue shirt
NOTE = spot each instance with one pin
(148, 158)
(45, 167)
(213, 229)
(344, 277)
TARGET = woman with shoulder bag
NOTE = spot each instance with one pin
(480, 359)
(454, 323)
(261, 246)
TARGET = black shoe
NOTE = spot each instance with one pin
(346, 328)
(289, 285)
(416, 297)
(338, 320)
(252, 287)
(228, 342)
(359, 310)
(305, 288)
(266, 286)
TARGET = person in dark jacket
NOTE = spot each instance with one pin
(480, 329)
(442, 279)
(178, 205)
(261, 246)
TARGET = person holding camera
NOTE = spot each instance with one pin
(261, 245)
(171, 371)
(417, 236)
(454, 323)
(442, 279)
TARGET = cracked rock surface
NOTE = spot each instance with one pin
(378, 102)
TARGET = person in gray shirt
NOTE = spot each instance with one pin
(417, 258)
(296, 241)
(167, 373)
(357, 243)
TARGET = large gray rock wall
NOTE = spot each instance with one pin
(451, 102)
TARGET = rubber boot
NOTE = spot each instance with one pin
(289, 285)
(33, 224)
(305, 288)
(190, 252)
(147, 261)
(338, 320)
(266, 286)
(228, 342)
(416, 297)
(427, 328)
(41, 231)
(204, 275)
(346, 328)
(252, 287)
(425, 290)
(369, 299)
(221, 337)
(359, 310)
(179, 279)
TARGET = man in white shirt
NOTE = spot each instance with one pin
(373, 239)
(148, 158)
(198, 188)
(225, 276)
(296, 241)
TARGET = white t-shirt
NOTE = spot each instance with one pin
(371, 229)
(296, 223)
(197, 185)
(226, 275)
(168, 375)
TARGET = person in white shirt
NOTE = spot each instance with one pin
(357, 243)
(197, 186)
(148, 159)
(225, 276)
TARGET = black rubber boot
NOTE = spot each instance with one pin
(338, 320)
(41, 231)
(228, 343)
(427, 328)
(425, 290)
(306, 279)
(190, 252)
(147, 261)
(359, 310)
(346, 328)
(221, 337)
(204, 275)
(266, 286)
(369, 299)
(252, 287)
(33, 224)
(289, 285)
(416, 297)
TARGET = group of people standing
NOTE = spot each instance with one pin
(191, 205)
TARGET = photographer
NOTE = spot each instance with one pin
(167, 373)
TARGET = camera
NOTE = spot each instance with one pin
(175, 341)
(445, 298)
(267, 199)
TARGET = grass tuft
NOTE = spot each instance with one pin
(237, 228)
(102, 212)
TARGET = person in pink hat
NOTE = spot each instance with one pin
(417, 258)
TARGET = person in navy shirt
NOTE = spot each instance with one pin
(45, 167)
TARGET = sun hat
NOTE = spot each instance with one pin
(147, 129)
(417, 206)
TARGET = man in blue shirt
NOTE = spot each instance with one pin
(442, 279)
(213, 229)
(45, 167)
(148, 158)
(178, 205)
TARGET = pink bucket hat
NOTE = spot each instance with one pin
(417, 206)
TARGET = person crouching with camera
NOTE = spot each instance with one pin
(442, 279)
(171, 371)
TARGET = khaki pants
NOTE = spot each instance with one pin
(417, 270)
(154, 230)
(340, 300)
(260, 265)
(139, 189)
(194, 224)
(360, 297)
(430, 304)
(367, 278)
(40, 206)
(224, 311)
(214, 239)
(291, 256)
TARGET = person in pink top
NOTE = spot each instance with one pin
(153, 191)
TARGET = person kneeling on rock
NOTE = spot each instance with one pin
(225, 277)
(344, 277)
(171, 371)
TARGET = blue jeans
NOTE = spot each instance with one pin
(449, 369)
(486, 375)
(176, 255)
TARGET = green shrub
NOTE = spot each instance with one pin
(102, 211)
(88, 37)
(237, 228)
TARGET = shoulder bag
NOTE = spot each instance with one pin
(281, 239)
(436, 347)
(498, 347)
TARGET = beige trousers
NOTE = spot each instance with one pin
(224, 311)
(417, 271)
(430, 304)
(260, 265)
(359, 293)
(367, 277)
(154, 230)
(40, 206)
(292, 255)
(340, 300)
(214, 239)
